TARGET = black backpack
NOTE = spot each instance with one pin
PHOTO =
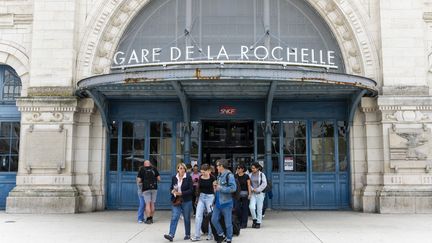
(149, 180)
(236, 194)
(269, 184)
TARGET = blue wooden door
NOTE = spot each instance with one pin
(131, 143)
(310, 169)
(9, 150)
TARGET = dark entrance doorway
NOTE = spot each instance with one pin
(231, 140)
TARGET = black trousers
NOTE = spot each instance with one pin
(242, 210)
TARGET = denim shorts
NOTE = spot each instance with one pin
(150, 195)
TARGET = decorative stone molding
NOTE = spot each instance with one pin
(409, 143)
(113, 17)
(50, 91)
(17, 58)
(408, 116)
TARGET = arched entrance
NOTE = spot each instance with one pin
(181, 65)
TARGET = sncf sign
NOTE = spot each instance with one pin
(227, 110)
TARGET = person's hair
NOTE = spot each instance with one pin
(223, 163)
(195, 166)
(205, 167)
(182, 165)
(242, 166)
(256, 165)
(188, 166)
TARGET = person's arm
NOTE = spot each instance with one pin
(231, 187)
(263, 182)
(188, 190)
(248, 181)
(158, 178)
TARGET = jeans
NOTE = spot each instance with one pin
(227, 214)
(185, 208)
(242, 209)
(141, 206)
(205, 202)
(256, 206)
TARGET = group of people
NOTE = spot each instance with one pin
(207, 194)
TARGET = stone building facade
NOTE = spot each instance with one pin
(63, 153)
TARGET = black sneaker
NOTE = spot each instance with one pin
(257, 226)
(148, 221)
(168, 237)
(187, 237)
(220, 238)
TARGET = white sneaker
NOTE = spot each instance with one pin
(209, 237)
(140, 221)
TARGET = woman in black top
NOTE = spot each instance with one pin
(245, 192)
(181, 186)
(205, 200)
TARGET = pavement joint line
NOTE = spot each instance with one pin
(135, 235)
(301, 221)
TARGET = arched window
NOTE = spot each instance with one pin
(10, 84)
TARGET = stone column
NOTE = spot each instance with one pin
(407, 178)
(45, 178)
(374, 154)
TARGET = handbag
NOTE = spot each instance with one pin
(177, 201)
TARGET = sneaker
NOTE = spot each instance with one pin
(257, 226)
(140, 221)
(168, 237)
(209, 237)
(195, 239)
(148, 221)
(221, 238)
(187, 237)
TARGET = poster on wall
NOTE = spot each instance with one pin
(288, 164)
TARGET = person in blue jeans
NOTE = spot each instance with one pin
(181, 186)
(205, 200)
(258, 184)
(223, 188)
(141, 207)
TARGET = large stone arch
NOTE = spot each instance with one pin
(14, 55)
(112, 18)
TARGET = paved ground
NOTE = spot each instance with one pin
(278, 226)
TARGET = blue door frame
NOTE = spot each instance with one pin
(291, 190)
(311, 190)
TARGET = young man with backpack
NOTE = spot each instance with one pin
(149, 177)
(258, 185)
(223, 187)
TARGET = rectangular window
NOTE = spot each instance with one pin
(113, 148)
(275, 148)
(294, 146)
(323, 146)
(9, 146)
(161, 141)
(342, 145)
(133, 145)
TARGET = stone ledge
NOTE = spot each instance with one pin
(405, 200)
(34, 199)
(406, 90)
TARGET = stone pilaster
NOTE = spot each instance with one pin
(46, 177)
(407, 177)
(374, 154)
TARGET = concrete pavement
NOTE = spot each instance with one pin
(278, 226)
